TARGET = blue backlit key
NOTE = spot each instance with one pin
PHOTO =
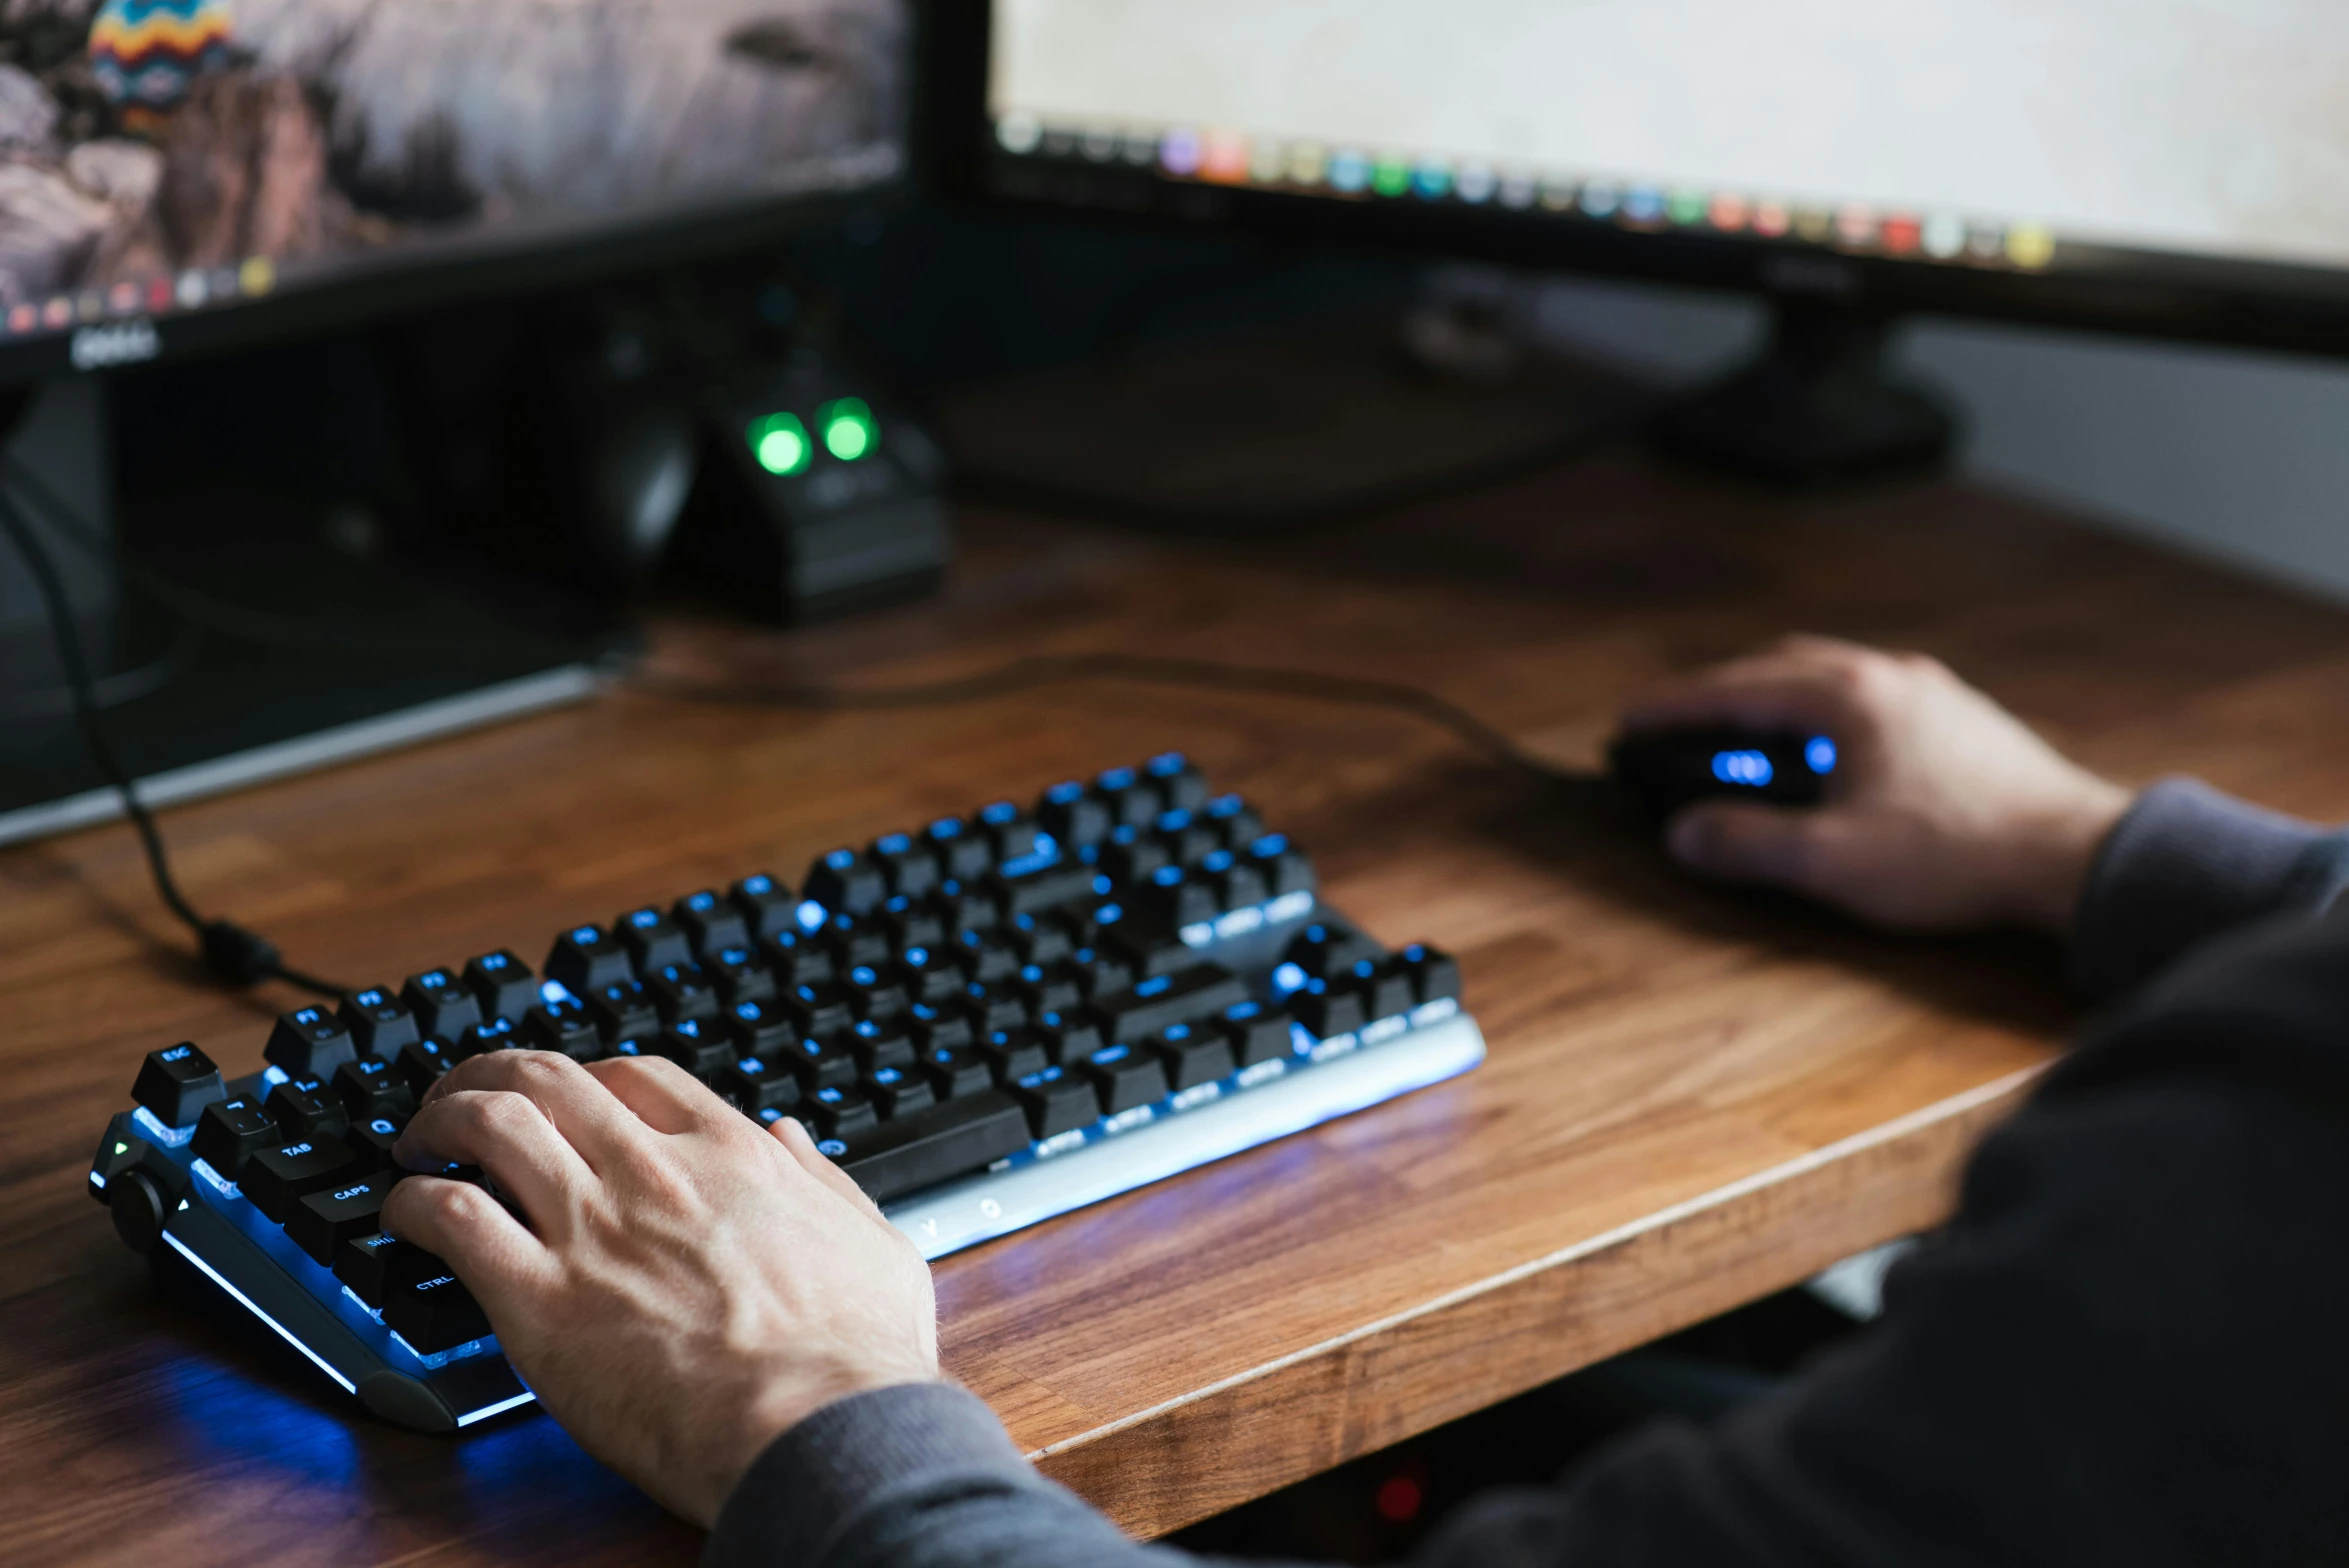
(443, 1005)
(586, 957)
(309, 1042)
(176, 1083)
(505, 986)
(379, 1022)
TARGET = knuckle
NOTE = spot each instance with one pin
(502, 1113)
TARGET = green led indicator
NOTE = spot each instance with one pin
(122, 1148)
(780, 443)
(849, 431)
(1390, 177)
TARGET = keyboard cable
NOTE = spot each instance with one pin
(232, 953)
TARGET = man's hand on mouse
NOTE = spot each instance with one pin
(1945, 811)
(689, 1286)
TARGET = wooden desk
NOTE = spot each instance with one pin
(1693, 1098)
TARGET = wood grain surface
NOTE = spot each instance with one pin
(1694, 1097)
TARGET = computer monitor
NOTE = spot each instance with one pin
(184, 177)
(2164, 166)
(184, 174)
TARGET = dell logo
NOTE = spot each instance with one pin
(118, 343)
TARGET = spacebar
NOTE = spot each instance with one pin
(930, 1146)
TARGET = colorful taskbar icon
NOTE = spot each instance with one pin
(125, 299)
(1268, 163)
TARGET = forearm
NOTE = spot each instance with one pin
(2185, 864)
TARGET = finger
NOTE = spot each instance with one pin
(492, 1252)
(663, 1095)
(509, 1136)
(1742, 842)
(802, 1147)
(1766, 694)
(587, 1114)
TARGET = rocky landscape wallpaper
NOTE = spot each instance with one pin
(140, 139)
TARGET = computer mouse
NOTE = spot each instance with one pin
(1667, 769)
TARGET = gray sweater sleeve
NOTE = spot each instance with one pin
(2185, 864)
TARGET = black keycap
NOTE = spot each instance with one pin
(1322, 950)
(1015, 1053)
(491, 1034)
(816, 1010)
(1048, 990)
(930, 975)
(909, 868)
(881, 1044)
(1173, 899)
(1284, 865)
(697, 1045)
(1073, 816)
(586, 957)
(962, 854)
(1056, 1101)
(1187, 838)
(307, 1108)
(443, 1006)
(1178, 783)
(1257, 1033)
(1132, 858)
(1129, 801)
(1391, 988)
(373, 1265)
(994, 1006)
(687, 991)
(1185, 996)
(505, 986)
(322, 1221)
(652, 939)
(1193, 1055)
(839, 1113)
(1125, 1076)
(922, 1148)
(230, 1132)
(1234, 819)
(561, 1025)
(1044, 939)
(276, 1178)
(709, 923)
(309, 1041)
(757, 1083)
(1237, 883)
(795, 958)
(1067, 882)
(965, 906)
(1328, 1007)
(821, 1064)
(736, 974)
(875, 994)
(622, 1010)
(1018, 840)
(895, 1090)
(845, 882)
(421, 1062)
(1147, 950)
(940, 1028)
(1437, 974)
(369, 1087)
(955, 1071)
(985, 957)
(1106, 969)
(857, 940)
(768, 908)
(1071, 1035)
(176, 1083)
(911, 924)
(434, 1315)
(372, 1141)
(380, 1022)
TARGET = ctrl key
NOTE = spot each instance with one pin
(433, 1314)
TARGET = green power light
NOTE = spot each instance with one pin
(780, 443)
(849, 431)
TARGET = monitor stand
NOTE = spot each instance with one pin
(1273, 429)
(239, 635)
(1818, 408)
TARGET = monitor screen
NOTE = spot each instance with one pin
(168, 159)
(2012, 135)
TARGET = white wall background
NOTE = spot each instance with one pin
(2243, 457)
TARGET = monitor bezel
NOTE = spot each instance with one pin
(2264, 304)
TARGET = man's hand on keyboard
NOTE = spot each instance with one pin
(688, 1286)
(1947, 811)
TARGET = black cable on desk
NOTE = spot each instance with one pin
(234, 954)
(1054, 669)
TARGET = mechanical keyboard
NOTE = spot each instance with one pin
(987, 1022)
